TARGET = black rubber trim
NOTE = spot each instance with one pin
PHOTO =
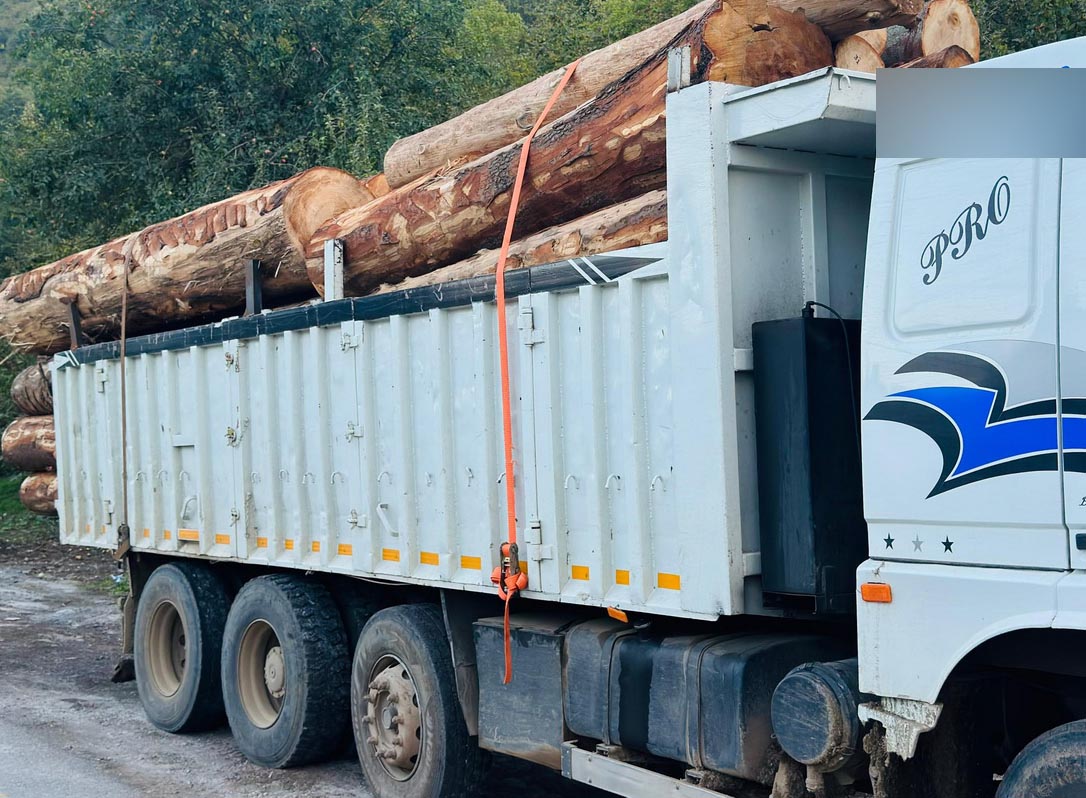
(549, 277)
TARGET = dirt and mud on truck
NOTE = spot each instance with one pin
(796, 492)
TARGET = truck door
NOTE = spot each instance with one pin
(960, 335)
(1073, 351)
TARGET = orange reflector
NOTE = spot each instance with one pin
(876, 592)
(618, 614)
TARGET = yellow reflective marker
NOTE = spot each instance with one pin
(288, 544)
(579, 572)
(429, 558)
(471, 563)
(669, 581)
(345, 549)
(166, 534)
(188, 534)
(222, 540)
(622, 577)
(315, 545)
(390, 555)
(262, 543)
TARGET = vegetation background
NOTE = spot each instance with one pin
(118, 113)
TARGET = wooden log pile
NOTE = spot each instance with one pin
(945, 34)
(596, 183)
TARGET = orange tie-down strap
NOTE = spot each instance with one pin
(508, 576)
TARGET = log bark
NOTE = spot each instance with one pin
(941, 24)
(841, 18)
(950, 58)
(642, 220)
(180, 272)
(32, 390)
(38, 493)
(29, 444)
(505, 120)
(604, 152)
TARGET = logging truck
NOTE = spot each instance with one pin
(797, 493)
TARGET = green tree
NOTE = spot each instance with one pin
(1008, 26)
(142, 109)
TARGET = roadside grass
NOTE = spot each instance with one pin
(111, 586)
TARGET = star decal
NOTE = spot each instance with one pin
(948, 545)
(918, 544)
(889, 541)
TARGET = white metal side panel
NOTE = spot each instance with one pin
(181, 456)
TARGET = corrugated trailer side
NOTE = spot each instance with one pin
(362, 436)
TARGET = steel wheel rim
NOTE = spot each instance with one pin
(167, 649)
(393, 718)
(261, 674)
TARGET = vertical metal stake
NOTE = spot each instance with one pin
(254, 288)
(678, 68)
(333, 269)
(75, 328)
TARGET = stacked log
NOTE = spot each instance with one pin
(940, 25)
(38, 493)
(179, 272)
(634, 223)
(32, 390)
(29, 442)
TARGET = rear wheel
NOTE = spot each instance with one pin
(285, 672)
(409, 729)
(178, 640)
(1052, 766)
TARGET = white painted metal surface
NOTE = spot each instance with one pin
(373, 448)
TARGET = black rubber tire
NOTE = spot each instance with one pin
(314, 716)
(201, 601)
(450, 762)
(1052, 766)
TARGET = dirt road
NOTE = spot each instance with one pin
(65, 730)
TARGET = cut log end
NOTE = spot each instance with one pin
(38, 494)
(29, 444)
(32, 390)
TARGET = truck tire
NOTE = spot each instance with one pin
(1052, 766)
(285, 672)
(408, 725)
(178, 644)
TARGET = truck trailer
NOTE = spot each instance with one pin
(800, 491)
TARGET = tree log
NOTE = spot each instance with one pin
(29, 444)
(504, 120)
(950, 58)
(38, 493)
(604, 152)
(940, 24)
(642, 220)
(842, 18)
(32, 390)
(182, 271)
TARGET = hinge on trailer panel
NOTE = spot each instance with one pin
(533, 532)
(529, 335)
(348, 341)
(354, 432)
(356, 521)
(100, 379)
(231, 435)
(235, 516)
(232, 361)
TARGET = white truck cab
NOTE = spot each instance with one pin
(974, 431)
